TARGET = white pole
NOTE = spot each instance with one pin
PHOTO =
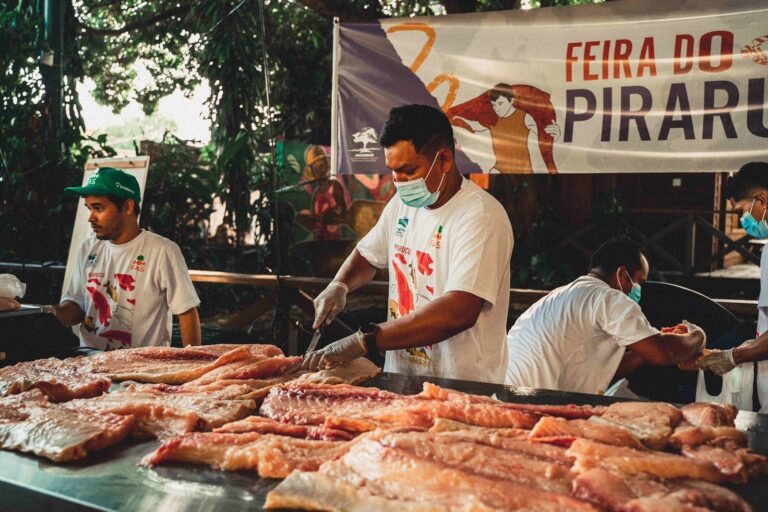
(335, 100)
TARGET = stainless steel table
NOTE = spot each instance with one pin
(113, 480)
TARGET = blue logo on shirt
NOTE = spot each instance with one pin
(401, 225)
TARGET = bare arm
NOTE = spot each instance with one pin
(447, 316)
(629, 363)
(189, 325)
(476, 126)
(8, 304)
(68, 313)
(355, 272)
(666, 348)
(755, 350)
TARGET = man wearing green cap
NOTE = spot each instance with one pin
(127, 282)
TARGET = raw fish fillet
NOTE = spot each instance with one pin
(268, 426)
(709, 414)
(174, 365)
(28, 423)
(60, 380)
(352, 372)
(590, 454)
(569, 411)
(689, 435)
(163, 415)
(386, 469)
(422, 414)
(271, 456)
(250, 368)
(650, 422)
(619, 492)
(564, 432)
(309, 404)
(736, 464)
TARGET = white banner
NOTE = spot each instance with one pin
(625, 86)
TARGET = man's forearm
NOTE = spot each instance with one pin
(755, 350)
(68, 313)
(683, 346)
(355, 272)
(189, 326)
(435, 322)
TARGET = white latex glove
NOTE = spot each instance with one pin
(341, 351)
(718, 362)
(692, 328)
(330, 303)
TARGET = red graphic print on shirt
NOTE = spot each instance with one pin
(425, 263)
(124, 337)
(404, 295)
(126, 282)
(101, 305)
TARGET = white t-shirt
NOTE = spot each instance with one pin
(762, 326)
(465, 245)
(130, 291)
(574, 338)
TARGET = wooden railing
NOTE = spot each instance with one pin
(306, 287)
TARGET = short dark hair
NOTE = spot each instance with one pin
(120, 203)
(421, 125)
(619, 252)
(751, 176)
(502, 90)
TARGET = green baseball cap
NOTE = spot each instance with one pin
(108, 180)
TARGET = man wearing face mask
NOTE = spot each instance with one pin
(748, 194)
(447, 244)
(575, 338)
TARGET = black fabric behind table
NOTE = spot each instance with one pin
(36, 336)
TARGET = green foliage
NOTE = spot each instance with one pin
(35, 217)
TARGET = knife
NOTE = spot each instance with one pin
(313, 342)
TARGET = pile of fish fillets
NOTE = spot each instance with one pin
(62, 410)
(348, 448)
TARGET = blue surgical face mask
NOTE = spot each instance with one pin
(636, 290)
(752, 226)
(415, 192)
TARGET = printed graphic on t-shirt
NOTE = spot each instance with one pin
(414, 287)
(112, 305)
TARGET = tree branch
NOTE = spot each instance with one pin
(138, 24)
(322, 8)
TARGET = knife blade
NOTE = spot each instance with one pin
(313, 342)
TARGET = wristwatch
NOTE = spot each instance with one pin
(369, 332)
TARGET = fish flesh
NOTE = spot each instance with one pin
(174, 365)
(389, 468)
(563, 432)
(268, 426)
(650, 422)
(271, 456)
(29, 423)
(249, 368)
(351, 372)
(422, 414)
(59, 379)
(304, 403)
(621, 492)
(163, 415)
(736, 464)
(688, 435)
(359, 409)
(703, 414)
(590, 454)
(570, 411)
